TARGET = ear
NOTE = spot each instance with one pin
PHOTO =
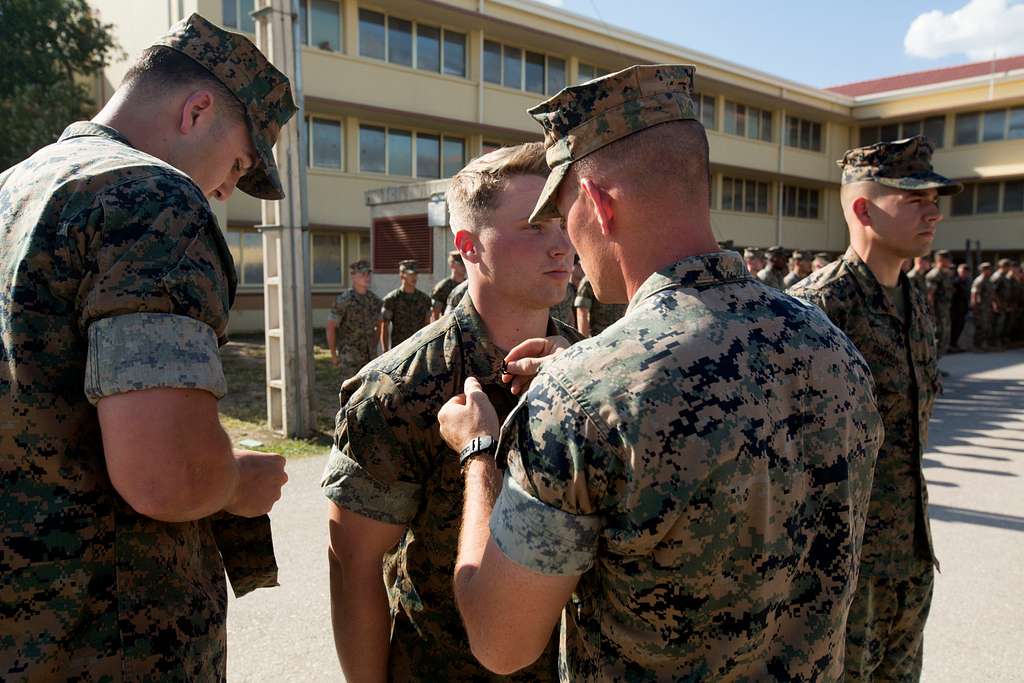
(466, 243)
(860, 210)
(197, 107)
(602, 203)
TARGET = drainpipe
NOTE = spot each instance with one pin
(782, 152)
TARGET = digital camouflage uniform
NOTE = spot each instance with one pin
(1001, 295)
(601, 315)
(703, 465)
(115, 277)
(917, 278)
(357, 316)
(773, 277)
(406, 311)
(941, 286)
(389, 463)
(455, 296)
(885, 628)
(440, 293)
(981, 289)
(565, 310)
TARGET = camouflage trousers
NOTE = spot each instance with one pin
(885, 629)
(998, 330)
(943, 331)
(350, 362)
(982, 330)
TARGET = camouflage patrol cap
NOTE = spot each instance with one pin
(984, 264)
(360, 266)
(903, 164)
(407, 266)
(1004, 262)
(823, 255)
(776, 251)
(798, 255)
(751, 252)
(582, 119)
(942, 253)
(264, 92)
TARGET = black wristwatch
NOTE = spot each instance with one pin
(478, 445)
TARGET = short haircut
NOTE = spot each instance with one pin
(674, 153)
(160, 69)
(476, 189)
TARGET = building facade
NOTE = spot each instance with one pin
(406, 91)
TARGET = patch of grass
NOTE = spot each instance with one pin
(243, 411)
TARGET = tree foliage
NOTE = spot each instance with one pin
(50, 52)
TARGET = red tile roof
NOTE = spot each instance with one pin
(930, 77)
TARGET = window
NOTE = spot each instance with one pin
(246, 248)
(963, 203)
(535, 72)
(588, 72)
(487, 147)
(748, 122)
(800, 202)
(803, 134)
(238, 14)
(327, 259)
(428, 156)
(399, 152)
(325, 143)
(331, 254)
(994, 125)
(454, 53)
(521, 69)
(404, 42)
(556, 76)
(324, 28)
(968, 127)
(1013, 195)
(933, 128)
(1015, 130)
(512, 67)
(750, 196)
(372, 143)
(428, 48)
(372, 36)
(454, 156)
(705, 105)
(987, 198)
(399, 41)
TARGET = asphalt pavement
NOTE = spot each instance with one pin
(975, 471)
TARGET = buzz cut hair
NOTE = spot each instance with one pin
(475, 190)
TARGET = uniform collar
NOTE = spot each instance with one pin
(482, 358)
(874, 294)
(704, 270)
(81, 129)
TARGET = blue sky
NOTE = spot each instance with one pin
(827, 42)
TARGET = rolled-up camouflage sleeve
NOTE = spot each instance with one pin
(155, 308)
(373, 470)
(548, 516)
(336, 313)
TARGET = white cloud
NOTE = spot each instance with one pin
(979, 29)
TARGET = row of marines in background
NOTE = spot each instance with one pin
(361, 323)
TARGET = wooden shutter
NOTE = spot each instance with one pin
(397, 238)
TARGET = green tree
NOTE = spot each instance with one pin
(50, 51)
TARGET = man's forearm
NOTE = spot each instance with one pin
(483, 483)
(361, 618)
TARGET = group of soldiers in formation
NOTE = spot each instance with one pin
(715, 480)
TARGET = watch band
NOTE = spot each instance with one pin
(478, 445)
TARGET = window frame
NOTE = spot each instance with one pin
(241, 232)
(811, 126)
(750, 113)
(443, 28)
(306, 39)
(741, 183)
(310, 156)
(798, 197)
(524, 53)
(415, 134)
(238, 16)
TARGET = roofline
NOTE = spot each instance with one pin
(642, 40)
(959, 84)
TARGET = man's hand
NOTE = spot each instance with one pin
(468, 415)
(260, 478)
(524, 361)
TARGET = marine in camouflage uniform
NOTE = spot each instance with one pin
(981, 306)
(407, 312)
(455, 297)
(801, 264)
(892, 328)
(940, 282)
(390, 464)
(442, 289)
(115, 277)
(601, 314)
(1001, 301)
(670, 462)
(774, 274)
(356, 318)
(917, 275)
